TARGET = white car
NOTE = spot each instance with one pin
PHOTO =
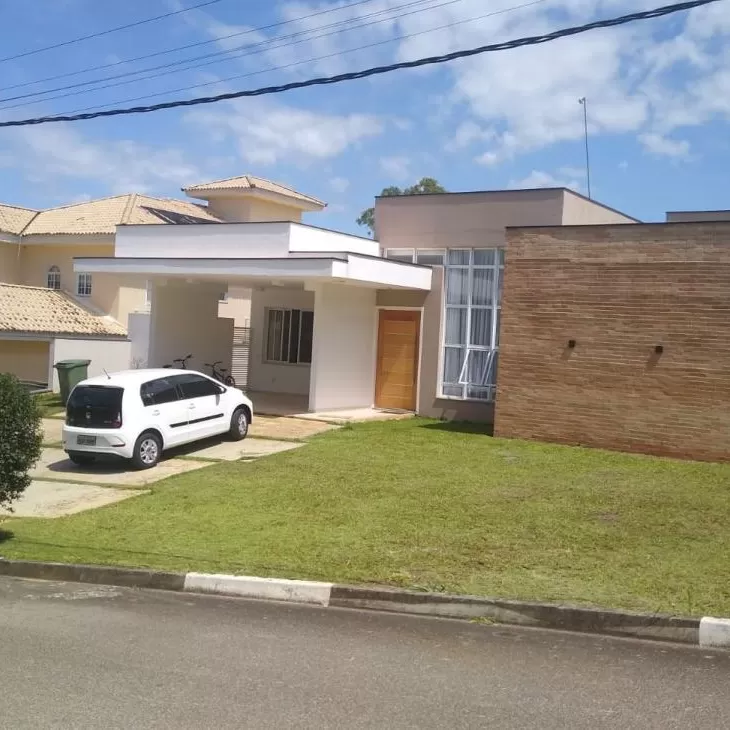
(137, 414)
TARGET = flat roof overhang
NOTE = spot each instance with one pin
(355, 269)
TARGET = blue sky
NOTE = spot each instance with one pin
(658, 100)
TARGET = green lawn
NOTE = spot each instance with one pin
(423, 504)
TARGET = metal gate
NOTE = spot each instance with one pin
(241, 356)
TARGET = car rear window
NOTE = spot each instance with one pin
(95, 406)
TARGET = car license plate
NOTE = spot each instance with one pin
(83, 440)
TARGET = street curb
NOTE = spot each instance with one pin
(100, 574)
(708, 631)
(271, 589)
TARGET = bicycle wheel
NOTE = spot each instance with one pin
(229, 381)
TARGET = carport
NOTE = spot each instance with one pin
(314, 313)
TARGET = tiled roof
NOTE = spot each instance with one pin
(250, 182)
(104, 215)
(34, 310)
(14, 219)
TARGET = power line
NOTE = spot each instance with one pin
(315, 59)
(250, 48)
(374, 71)
(249, 31)
(108, 31)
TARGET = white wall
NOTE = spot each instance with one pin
(307, 239)
(139, 336)
(183, 320)
(204, 240)
(343, 358)
(270, 377)
(109, 355)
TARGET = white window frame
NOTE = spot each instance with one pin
(284, 340)
(55, 273)
(84, 284)
(485, 382)
(413, 253)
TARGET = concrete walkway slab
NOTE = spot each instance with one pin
(52, 428)
(288, 428)
(251, 448)
(56, 499)
(54, 464)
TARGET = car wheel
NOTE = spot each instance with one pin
(80, 458)
(239, 424)
(147, 451)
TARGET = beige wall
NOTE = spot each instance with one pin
(114, 295)
(579, 211)
(184, 320)
(9, 260)
(463, 220)
(28, 359)
(237, 306)
(242, 210)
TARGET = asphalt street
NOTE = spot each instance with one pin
(80, 656)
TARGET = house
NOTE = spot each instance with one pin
(409, 322)
(37, 249)
(41, 326)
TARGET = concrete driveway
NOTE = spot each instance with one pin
(60, 487)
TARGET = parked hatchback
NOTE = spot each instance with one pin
(137, 414)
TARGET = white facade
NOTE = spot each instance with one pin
(343, 360)
(329, 278)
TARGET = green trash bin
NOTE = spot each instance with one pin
(70, 373)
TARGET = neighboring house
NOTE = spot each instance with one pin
(40, 326)
(37, 248)
(409, 322)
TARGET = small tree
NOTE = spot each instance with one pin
(20, 438)
(424, 186)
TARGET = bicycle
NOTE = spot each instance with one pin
(181, 361)
(220, 373)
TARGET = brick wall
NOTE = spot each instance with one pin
(618, 291)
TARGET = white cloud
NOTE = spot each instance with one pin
(644, 78)
(466, 134)
(648, 77)
(55, 153)
(266, 132)
(487, 158)
(396, 167)
(661, 146)
(339, 184)
(542, 179)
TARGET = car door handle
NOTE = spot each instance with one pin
(155, 413)
(191, 406)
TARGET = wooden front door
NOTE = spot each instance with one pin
(397, 364)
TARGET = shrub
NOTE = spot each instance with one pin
(20, 438)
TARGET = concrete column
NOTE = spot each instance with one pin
(343, 348)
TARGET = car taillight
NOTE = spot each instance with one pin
(117, 422)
